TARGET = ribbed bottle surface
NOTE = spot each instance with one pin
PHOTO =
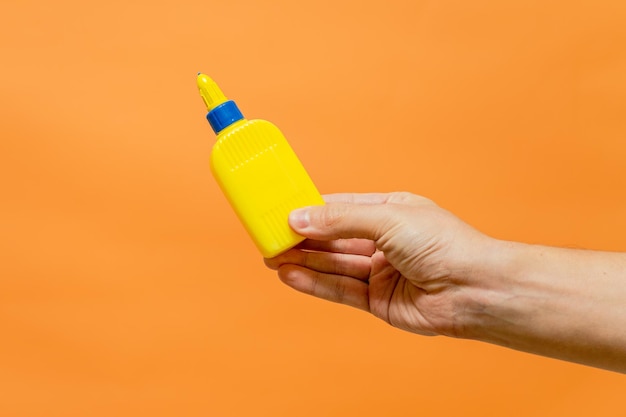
(274, 219)
(244, 144)
(264, 181)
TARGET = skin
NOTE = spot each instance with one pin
(418, 267)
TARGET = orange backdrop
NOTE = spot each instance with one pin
(127, 286)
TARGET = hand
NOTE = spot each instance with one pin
(398, 256)
(418, 267)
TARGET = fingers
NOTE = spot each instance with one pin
(343, 221)
(374, 198)
(366, 216)
(336, 288)
(352, 266)
(352, 246)
(352, 198)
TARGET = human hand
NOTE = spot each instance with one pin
(398, 256)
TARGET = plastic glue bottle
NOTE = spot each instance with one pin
(258, 172)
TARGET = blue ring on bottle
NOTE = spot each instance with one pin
(224, 115)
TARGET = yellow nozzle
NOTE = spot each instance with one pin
(210, 92)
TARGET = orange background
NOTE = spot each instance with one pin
(127, 286)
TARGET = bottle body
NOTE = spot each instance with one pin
(263, 180)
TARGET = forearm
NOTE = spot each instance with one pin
(563, 303)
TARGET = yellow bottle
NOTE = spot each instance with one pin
(258, 172)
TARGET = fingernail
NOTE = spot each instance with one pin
(299, 218)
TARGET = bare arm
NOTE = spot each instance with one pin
(563, 303)
(418, 267)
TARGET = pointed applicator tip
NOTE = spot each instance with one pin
(202, 79)
(210, 92)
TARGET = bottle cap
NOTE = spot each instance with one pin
(224, 115)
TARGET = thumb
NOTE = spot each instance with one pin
(342, 221)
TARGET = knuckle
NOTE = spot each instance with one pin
(339, 291)
(313, 287)
(405, 197)
(331, 215)
(339, 264)
(400, 197)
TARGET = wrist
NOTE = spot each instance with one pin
(562, 303)
(489, 289)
